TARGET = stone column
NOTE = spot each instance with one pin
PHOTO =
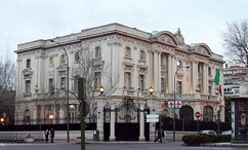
(61, 114)
(142, 123)
(152, 106)
(184, 80)
(195, 77)
(34, 118)
(112, 123)
(155, 69)
(205, 76)
(100, 118)
(159, 73)
(169, 81)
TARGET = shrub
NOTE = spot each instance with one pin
(196, 140)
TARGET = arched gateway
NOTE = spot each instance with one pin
(127, 121)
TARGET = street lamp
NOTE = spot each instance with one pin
(174, 100)
(2, 120)
(151, 90)
(101, 89)
(67, 94)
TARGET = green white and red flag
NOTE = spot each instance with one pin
(217, 82)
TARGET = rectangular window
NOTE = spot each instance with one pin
(28, 87)
(142, 82)
(98, 52)
(76, 83)
(97, 79)
(51, 86)
(210, 90)
(28, 63)
(179, 87)
(38, 113)
(209, 71)
(127, 80)
(162, 85)
(142, 55)
(163, 60)
(128, 52)
(62, 82)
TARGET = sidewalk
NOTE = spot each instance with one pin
(226, 145)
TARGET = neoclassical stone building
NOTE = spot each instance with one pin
(161, 60)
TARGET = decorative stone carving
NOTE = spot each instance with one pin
(180, 37)
(27, 72)
(203, 50)
(166, 39)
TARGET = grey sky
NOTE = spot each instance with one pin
(200, 20)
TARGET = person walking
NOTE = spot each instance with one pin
(159, 136)
(164, 136)
(52, 134)
(46, 135)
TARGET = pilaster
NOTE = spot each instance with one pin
(112, 123)
(169, 74)
(142, 123)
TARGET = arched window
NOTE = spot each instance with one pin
(208, 113)
(186, 113)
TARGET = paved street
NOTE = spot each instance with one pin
(115, 146)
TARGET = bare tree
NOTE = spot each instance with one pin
(7, 87)
(92, 68)
(236, 43)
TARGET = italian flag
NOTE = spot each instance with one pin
(217, 82)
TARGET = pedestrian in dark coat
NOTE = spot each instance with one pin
(52, 134)
(159, 136)
(46, 135)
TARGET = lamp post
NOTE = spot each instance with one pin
(67, 92)
(151, 90)
(101, 89)
(2, 120)
(51, 117)
(174, 99)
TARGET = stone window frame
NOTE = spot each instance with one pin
(144, 82)
(98, 52)
(27, 87)
(97, 79)
(128, 52)
(142, 56)
(77, 57)
(28, 63)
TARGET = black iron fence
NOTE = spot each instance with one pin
(42, 127)
(194, 125)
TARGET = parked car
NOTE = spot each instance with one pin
(208, 132)
(227, 133)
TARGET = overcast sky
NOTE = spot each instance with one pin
(199, 20)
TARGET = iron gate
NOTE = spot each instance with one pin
(127, 117)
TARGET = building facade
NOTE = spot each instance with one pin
(140, 60)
